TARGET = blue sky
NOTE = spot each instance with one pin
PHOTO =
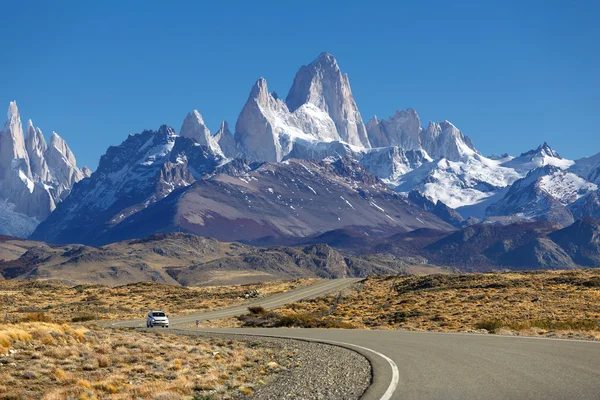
(510, 74)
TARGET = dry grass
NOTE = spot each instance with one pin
(550, 303)
(39, 300)
(57, 361)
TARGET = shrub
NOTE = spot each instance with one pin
(103, 361)
(489, 325)
(549, 325)
(257, 310)
(36, 317)
(83, 318)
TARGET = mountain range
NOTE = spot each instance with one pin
(291, 168)
(35, 176)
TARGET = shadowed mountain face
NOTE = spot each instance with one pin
(520, 246)
(581, 241)
(484, 247)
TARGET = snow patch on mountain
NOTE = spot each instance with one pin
(391, 163)
(544, 193)
(588, 168)
(458, 183)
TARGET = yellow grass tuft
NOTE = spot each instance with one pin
(84, 384)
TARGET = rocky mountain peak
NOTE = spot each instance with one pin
(226, 140)
(402, 129)
(12, 140)
(326, 61)
(59, 144)
(12, 115)
(543, 150)
(223, 128)
(322, 84)
(193, 127)
(260, 91)
(36, 147)
(444, 140)
(34, 175)
(35, 137)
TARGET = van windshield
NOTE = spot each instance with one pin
(158, 314)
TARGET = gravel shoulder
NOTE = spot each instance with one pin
(305, 370)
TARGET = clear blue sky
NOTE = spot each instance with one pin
(510, 74)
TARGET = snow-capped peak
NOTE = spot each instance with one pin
(444, 140)
(543, 150)
(13, 111)
(36, 147)
(322, 84)
(539, 157)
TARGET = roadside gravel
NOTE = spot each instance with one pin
(305, 370)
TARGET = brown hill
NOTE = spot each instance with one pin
(178, 258)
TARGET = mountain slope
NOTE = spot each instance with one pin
(144, 169)
(519, 246)
(581, 241)
(291, 199)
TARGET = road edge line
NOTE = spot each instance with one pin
(395, 372)
(387, 395)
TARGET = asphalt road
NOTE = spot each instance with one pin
(464, 366)
(427, 365)
(320, 288)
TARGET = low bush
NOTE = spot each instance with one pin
(558, 325)
(257, 310)
(491, 325)
(36, 317)
(83, 318)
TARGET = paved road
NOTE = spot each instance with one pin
(318, 289)
(465, 366)
(423, 365)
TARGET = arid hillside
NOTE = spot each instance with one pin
(550, 303)
(65, 303)
(184, 259)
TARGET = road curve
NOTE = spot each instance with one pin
(428, 365)
(318, 289)
(464, 366)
